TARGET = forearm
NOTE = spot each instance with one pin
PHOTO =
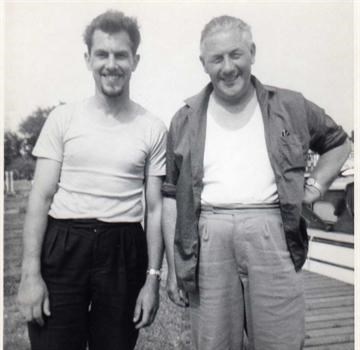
(330, 164)
(33, 296)
(154, 237)
(34, 230)
(168, 227)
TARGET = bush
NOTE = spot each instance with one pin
(23, 168)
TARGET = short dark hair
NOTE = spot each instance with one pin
(113, 21)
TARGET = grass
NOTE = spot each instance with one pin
(170, 330)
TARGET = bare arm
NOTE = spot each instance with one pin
(168, 225)
(32, 295)
(153, 221)
(326, 170)
(148, 299)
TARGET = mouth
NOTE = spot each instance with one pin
(230, 80)
(111, 77)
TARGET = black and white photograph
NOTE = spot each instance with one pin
(179, 175)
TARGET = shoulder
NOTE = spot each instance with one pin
(149, 127)
(193, 105)
(64, 112)
(182, 112)
(149, 120)
(297, 102)
(289, 99)
(180, 118)
(155, 121)
(64, 109)
(286, 94)
(60, 119)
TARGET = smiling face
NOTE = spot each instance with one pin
(227, 58)
(111, 62)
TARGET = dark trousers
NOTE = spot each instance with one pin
(94, 272)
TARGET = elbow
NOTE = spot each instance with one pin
(154, 208)
(345, 150)
(348, 147)
(42, 196)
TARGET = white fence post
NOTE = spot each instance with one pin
(9, 182)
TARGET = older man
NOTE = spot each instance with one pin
(86, 254)
(235, 187)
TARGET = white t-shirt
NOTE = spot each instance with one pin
(237, 169)
(103, 168)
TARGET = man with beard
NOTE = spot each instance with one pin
(90, 273)
(235, 187)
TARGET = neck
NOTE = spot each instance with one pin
(240, 104)
(113, 105)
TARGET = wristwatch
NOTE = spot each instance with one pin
(154, 272)
(313, 183)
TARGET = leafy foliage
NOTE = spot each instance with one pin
(32, 126)
(18, 146)
(23, 167)
(12, 147)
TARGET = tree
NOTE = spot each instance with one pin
(32, 126)
(18, 148)
(23, 167)
(12, 148)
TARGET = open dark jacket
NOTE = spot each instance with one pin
(293, 125)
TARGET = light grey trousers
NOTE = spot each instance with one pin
(246, 277)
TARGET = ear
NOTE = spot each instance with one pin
(87, 59)
(202, 60)
(136, 62)
(253, 52)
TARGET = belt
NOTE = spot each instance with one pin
(238, 207)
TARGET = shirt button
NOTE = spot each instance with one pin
(95, 230)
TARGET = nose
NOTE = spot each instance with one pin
(111, 62)
(228, 65)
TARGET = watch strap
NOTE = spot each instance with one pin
(154, 272)
(313, 183)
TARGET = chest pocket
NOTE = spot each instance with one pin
(291, 153)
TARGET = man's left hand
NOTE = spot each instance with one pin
(147, 303)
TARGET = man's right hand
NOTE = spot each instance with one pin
(33, 299)
(176, 295)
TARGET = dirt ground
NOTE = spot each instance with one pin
(170, 331)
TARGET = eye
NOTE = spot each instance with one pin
(236, 55)
(101, 54)
(216, 59)
(121, 55)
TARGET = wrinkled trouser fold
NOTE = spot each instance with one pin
(93, 271)
(246, 280)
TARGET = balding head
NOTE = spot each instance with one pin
(224, 23)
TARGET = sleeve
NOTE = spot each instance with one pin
(172, 172)
(155, 164)
(325, 134)
(50, 141)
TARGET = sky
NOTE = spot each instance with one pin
(303, 46)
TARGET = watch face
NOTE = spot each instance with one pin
(310, 181)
